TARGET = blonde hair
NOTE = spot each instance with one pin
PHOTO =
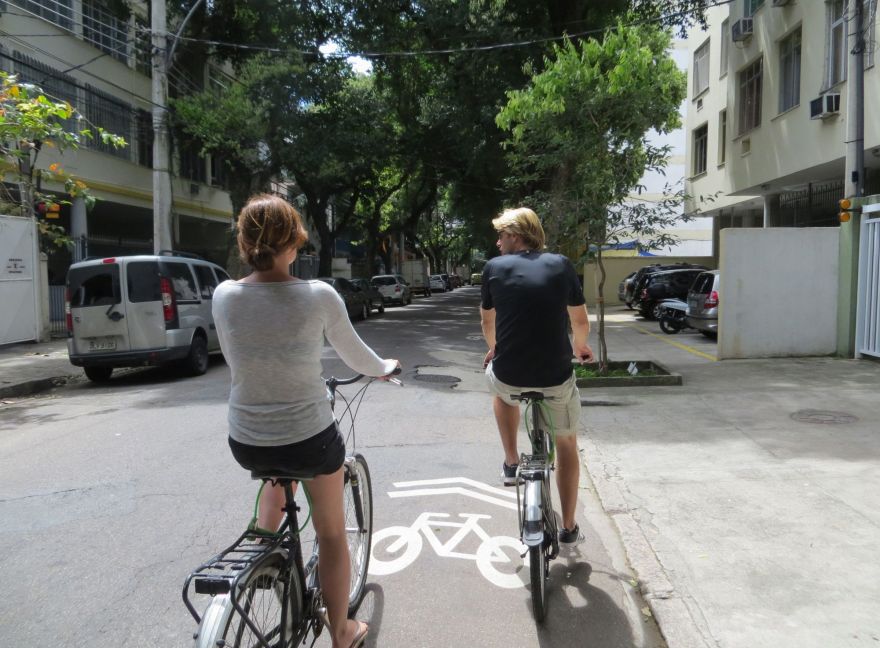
(267, 226)
(522, 222)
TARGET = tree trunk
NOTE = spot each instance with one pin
(603, 347)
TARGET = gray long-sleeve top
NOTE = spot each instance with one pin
(271, 335)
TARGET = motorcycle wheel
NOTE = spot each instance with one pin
(670, 328)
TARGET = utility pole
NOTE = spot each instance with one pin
(162, 239)
(853, 181)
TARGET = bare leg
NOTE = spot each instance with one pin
(271, 508)
(568, 470)
(334, 567)
(507, 418)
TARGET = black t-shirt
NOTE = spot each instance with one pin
(530, 292)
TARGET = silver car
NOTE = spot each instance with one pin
(702, 303)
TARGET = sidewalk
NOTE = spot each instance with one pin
(746, 499)
(31, 368)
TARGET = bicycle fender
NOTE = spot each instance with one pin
(533, 530)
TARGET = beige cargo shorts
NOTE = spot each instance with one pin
(563, 401)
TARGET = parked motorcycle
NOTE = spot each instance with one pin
(673, 316)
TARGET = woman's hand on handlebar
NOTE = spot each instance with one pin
(397, 369)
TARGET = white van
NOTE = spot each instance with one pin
(129, 311)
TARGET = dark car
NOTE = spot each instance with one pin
(657, 286)
(630, 288)
(374, 297)
(356, 300)
(622, 287)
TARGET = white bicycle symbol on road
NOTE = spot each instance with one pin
(499, 558)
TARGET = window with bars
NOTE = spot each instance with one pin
(701, 69)
(192, 165)
(219, 172)
(56, 86)
(144, 139)
(836, 60)
(751, 6)
(724, 40)
(750, 87)
(869, 22)
(722, 136)
(59, 12)
(143, 47)
(104, 30)
(790, 71)
(701, 149)
(114, 116)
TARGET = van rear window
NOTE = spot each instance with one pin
(143, 281)
(95, 285)
(182, 280)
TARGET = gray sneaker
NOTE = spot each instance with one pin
(508, 474)
(571, 537)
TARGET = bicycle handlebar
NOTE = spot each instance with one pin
(334, 382)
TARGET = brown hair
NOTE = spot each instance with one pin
(267, 226)
(522, 222)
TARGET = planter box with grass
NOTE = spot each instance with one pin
(619, 374)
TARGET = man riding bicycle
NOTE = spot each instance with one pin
(528, 299)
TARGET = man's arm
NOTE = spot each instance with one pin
(487, 322)
(580, 327)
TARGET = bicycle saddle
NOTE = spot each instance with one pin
(530, 395)
(281, 476)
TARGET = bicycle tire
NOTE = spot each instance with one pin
(538, 579)
(260, 593)
(358, 535)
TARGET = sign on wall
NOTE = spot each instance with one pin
(18, 270)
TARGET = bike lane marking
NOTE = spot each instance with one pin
(498, 558)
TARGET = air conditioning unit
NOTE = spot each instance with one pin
(742, 29)
(780, 3)
(825, 106)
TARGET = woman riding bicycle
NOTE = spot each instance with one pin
(272, 327)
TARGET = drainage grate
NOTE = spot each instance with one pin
(437, 378)
(823, 417)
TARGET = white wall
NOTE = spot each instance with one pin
(778, 292)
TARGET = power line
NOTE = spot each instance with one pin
(442, 51)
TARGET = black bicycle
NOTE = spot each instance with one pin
(537, 521)
(264, 591)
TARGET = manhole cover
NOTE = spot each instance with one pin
(437, 378)
(823, 417)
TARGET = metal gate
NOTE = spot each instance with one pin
(18, 280)
(868, 309)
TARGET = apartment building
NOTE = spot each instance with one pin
(766, 127)
(96, 55)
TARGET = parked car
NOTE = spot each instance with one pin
(393, 289)
(456, 281)
(437, 283)
(657, 286)
(476, 278)
(374, 297)
(446, 281)
(622, 287)
(357, 302)
(630, 289)
(702, 303)
(129, 311)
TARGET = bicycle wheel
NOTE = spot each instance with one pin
(261, 596)
(358, 503)
(538, 578)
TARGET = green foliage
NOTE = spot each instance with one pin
(31, 122)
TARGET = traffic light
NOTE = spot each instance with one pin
(846, 209)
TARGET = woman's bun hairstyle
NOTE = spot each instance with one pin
(268, 226)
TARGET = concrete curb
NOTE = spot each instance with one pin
(31, 387)
(674, 618)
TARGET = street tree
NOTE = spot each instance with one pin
(579, 137)
(30, 123)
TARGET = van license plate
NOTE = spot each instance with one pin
(102, 344)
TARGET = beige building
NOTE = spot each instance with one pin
(88, 53)
(766, 127)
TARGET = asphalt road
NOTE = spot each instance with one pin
(110, 495)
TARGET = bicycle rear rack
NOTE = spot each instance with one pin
(220, 574)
